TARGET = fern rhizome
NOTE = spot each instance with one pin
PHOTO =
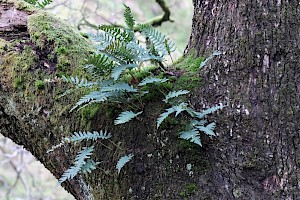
(119, 55)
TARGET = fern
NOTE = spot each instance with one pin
(169, 45)
(118, 70)
(152, 80)
(128, 17)
(215, 53)
(119, 87)
(89, 166)
(175, 94)
(79, 136)
(117, 33)
(99, 65)
(70, 173)
(191, 135)
(178, 109)
(122, 161)
(208, 130)
(95, 96)
(38, 4)
(126, 116)
(200, 115)
(156, 38)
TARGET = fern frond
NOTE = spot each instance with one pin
(118, 70)
(181, 107)
(117, 33)
(85, 153)
(164, 115)
(174, 94)
(122, 161)
(169, 45)
(152, 80)
(70, 173)
(128, 17)
(95, 96)
(120, 52)
(191, 135)
(99, 64)
(200, 115)
(208, 130)
(178, 109)
(155, 37)
(126, 116)
(89, 166)
(119, 87)
(79, 136)
(215, 53)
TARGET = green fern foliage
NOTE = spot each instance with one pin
(210, 110)
(122, 161)
(215, 53)
(191, 135)
(126, 116)
(152, 80)
(177, 109)
(80, 161)
(39, 4)
(128, 17)
(174, 94)
(79, 136)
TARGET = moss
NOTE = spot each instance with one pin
(39, 84)
(190, 67)
(189, 62)
(18, 82)
(188, 190)
(67, 45)
(21, 5)
(89, 112)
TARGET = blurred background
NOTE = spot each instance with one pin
(21, 176)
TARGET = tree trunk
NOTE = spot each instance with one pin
(257, 153)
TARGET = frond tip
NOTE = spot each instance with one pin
(80, 162)
(122, 161)
(174, 94)
(128, 17)
(126, 116)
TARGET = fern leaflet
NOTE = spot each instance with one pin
(126, 116)
(152, 80)
(191, 135)
(128, 17)
(122, 161)
(200, 115)
(119, 87)
(79, 136)
(208, 130)
(175, 94)
(70, 173)
(89, 166)
(215, 53)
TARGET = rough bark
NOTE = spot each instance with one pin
(39, 47)
(257, 153)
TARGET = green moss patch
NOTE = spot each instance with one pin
(63, 44)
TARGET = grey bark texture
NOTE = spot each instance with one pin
(257, 153)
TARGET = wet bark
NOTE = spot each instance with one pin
(257, 153)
